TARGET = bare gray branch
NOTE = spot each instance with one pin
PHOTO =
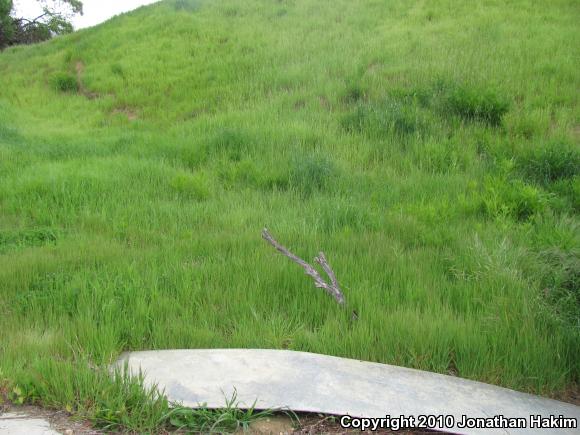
(332, 289)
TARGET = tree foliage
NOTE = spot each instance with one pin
(55, 20)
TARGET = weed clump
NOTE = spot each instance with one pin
(64, 82)
(514, 199)
(229, 419)
(550, 163)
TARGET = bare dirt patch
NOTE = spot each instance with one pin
(80, 69)
(128, 112)
(311, 424)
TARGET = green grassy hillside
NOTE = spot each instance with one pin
(430, 149)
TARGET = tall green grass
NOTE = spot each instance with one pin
(429, 149)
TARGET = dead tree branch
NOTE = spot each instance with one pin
(332, 289)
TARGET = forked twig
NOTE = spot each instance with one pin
(332, 289)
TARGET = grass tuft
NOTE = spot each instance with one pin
(229, 419)
(561, 282)
(310, 174)
(64, 82)
(514, 199)
(476, 104)
(385, 120)
(193, 186)
(549, 163)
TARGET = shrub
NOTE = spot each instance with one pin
(475, 104)
(64, 82)
(550, 163)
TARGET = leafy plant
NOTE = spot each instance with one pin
(54, 20)
(514, 199)
(229, 419)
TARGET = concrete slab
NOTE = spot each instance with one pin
(317, 383)
(14, 423)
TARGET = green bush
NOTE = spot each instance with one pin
(64, 82)
(550, 163)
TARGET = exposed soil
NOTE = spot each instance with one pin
(80, 69)
(571, 395)
(129, 113)
(311, 424)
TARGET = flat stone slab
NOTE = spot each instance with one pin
(15, 423)
(280, 379)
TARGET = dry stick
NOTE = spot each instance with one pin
(321, 259)
(332, 289)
